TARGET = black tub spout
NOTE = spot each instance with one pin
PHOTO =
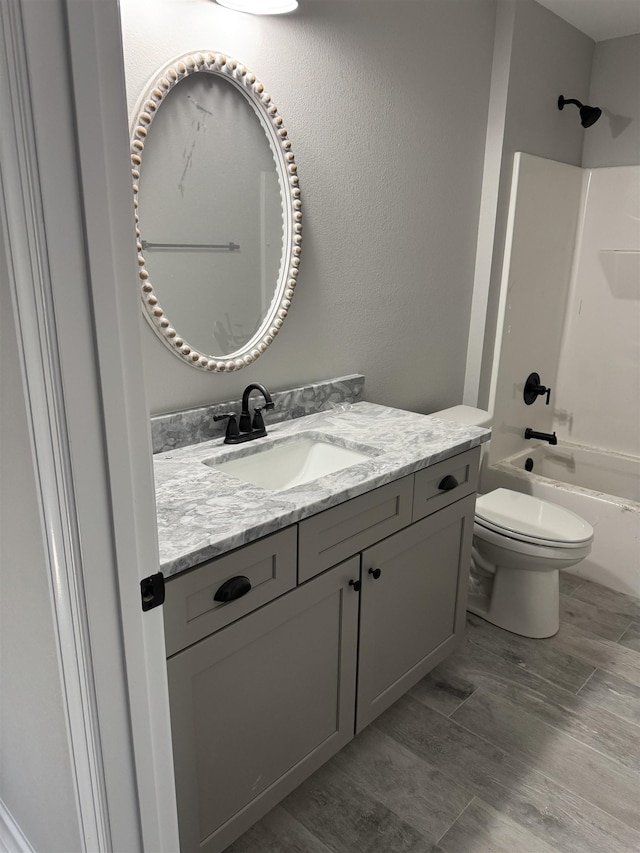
(542, 436)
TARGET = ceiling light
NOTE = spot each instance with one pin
(260, 7)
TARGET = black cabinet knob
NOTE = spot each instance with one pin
(447, 483)
(376, 573)
(232, 589)
(356, 585)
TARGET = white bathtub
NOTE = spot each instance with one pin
(602, 487)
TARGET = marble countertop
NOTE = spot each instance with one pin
(203, 513)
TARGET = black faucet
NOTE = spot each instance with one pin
(247, 429)
(543, 436)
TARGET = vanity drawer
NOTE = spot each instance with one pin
(190, 610)
(334, 535)
(431, 492)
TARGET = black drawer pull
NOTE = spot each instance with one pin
(376, 573)
(447, 483)
(233, 588)
(356, 585)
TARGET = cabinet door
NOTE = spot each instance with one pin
(412, 614)
(260, 705)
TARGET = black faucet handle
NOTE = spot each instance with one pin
(258, 420)
(232, 424)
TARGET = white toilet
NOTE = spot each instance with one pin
(520, 543)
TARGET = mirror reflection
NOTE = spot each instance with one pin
(210, 212)
(219, 212)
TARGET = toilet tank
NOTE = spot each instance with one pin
(467, 415)
(470, 416)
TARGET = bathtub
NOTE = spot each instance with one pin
(602, 487)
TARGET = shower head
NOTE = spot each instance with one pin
(588, 115)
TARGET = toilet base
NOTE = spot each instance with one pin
(523, 602)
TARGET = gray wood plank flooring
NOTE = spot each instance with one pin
(631, 637)
(509, 745)
(616, 694)
(593, 617)
(480, 827)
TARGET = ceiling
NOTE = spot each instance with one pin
(599, 19)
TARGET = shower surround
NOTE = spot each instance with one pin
(570, 310)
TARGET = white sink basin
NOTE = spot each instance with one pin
(287, 465)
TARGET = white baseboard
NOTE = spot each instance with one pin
(12, 839)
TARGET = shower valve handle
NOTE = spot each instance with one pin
(533, 389)
(542, 391)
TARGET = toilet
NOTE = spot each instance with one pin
(520, 544)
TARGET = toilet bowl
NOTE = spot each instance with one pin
(520, 544)
(524, 542)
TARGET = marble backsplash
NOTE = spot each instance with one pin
(193, 426)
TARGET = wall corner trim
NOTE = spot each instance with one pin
(488, 213)
(29, 273)
(12, 838)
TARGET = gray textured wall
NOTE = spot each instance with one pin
(547, 58)
(386, 106)
(615, 87)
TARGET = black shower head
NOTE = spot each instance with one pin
(588, 115)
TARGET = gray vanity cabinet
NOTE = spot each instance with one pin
(412, 606)
(264, 689)
(259, 705)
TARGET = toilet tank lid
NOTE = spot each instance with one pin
(467, 415)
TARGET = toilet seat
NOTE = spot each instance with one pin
(532, 540)
(531, 520)
(544, 553)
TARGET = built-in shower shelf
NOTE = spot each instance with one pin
(619, 251)
(621, 268)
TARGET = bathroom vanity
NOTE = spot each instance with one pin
(353, 586)
(301, 601)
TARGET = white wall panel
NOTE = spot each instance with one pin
(537, 271)
(599, 380)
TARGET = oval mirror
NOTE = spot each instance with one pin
(218, 220)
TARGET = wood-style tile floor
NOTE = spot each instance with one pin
(514, 745)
